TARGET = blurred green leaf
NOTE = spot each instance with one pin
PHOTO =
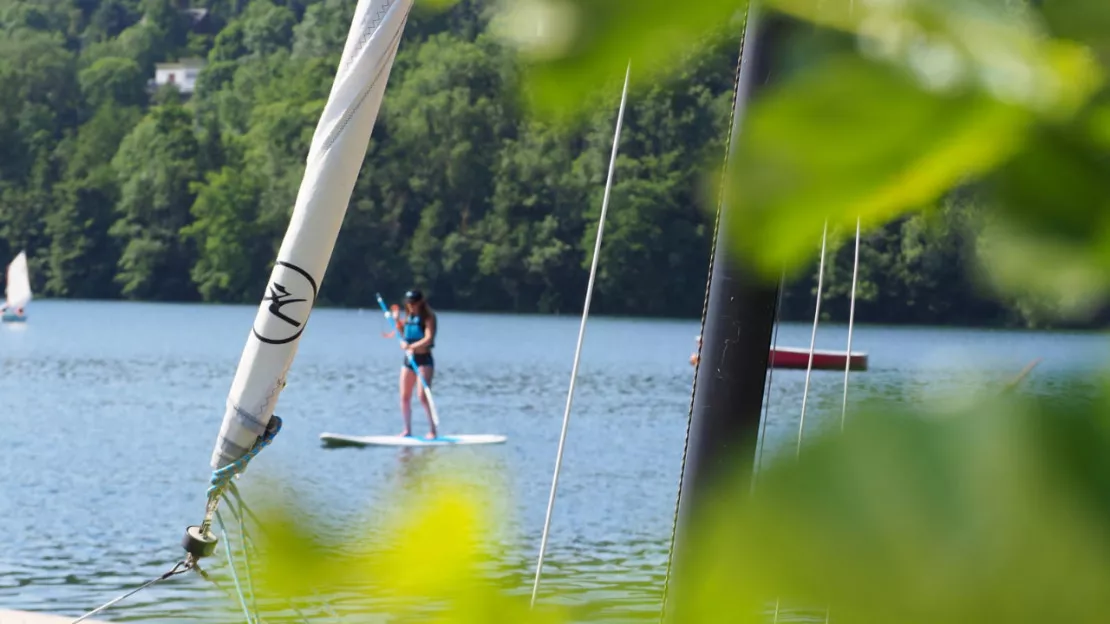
(947, 94)
(435, 6)
(1060, 185)
(1045, 276)
(1099, 125)
(997, 46)
(434, 553)
(574, 48)
(854, 138)
(997, 513)
(1081, 20)
(1049, 248)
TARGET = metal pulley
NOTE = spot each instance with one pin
(199, 544)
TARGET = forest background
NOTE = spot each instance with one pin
(120, 190)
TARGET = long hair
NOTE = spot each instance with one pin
(423, 309)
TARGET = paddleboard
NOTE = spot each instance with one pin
(338, 439)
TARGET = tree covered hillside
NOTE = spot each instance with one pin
(118, 189)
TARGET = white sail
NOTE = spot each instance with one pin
(18, 290)
(334, 159)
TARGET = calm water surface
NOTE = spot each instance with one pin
(111, 411)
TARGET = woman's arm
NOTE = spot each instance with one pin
(398, 321)
(398, 317)
(429, 335)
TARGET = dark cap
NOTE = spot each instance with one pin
(414, 296)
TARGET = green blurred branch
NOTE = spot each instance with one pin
(928, 96)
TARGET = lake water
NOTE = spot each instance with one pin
(111, 410)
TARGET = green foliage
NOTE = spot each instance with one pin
(915, 130)
(577, 46)
(323, 30)
(795, 169)
(82, 259)
(113, 82)
(919, 98)
(437, 559)
(110, 18)
(156, 164)
(267, 27)
(222, 270)
(484, 178)
(993, 511)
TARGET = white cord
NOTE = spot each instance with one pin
(581, 335)
(768, 386)
(851, 324)
(813, 337)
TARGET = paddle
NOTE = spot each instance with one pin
(1022, 375)
(391, 319)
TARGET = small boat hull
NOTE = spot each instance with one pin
(13, 318)
(785, 357)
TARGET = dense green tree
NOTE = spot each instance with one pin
(38, 101)
(267, 27)
(223, 235)
(447, 111)
(323, 30)
(157, 166)
(114, 82)
(118, 190)
(110, 18)
(531, 249)
(82, 257)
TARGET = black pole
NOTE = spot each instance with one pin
(736, 340)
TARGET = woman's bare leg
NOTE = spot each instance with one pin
(427, 372)
(407, 379)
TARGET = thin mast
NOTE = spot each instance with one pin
(582, 331)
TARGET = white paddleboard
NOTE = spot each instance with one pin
(338, 439)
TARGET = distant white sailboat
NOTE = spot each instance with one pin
(17, 291)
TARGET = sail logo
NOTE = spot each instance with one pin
(280, 296)
(286, 304)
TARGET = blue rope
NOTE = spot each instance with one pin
(246, 555)
(231, 566)
(248, 542)
(222, 477)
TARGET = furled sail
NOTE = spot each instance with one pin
(18, 289)
(334, 159)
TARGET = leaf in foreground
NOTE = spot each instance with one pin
(852, 138)
(575, 48)
(998, 513)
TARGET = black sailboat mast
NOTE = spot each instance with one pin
(736, 340)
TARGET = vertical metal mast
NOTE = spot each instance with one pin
(736, 338)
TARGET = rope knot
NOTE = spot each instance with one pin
(222, 477)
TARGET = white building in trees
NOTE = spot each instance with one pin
(183, 74)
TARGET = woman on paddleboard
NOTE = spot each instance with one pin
(418, 333)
